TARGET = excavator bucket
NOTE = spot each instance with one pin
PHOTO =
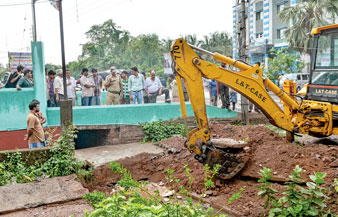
(232, 155)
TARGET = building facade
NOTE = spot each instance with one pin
(265, 29)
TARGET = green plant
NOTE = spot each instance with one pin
(237, 123)
(51, 135)
(283, 62)
(126, 180)
(95, 198)
(129, 199)
(15, 170)
(158, 130)
(86, 174)
(296, 200)
(209, 174)
(61, 162)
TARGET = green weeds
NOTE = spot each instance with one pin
(61, 161)
(296, 200)
(158, 130)
(133, 199)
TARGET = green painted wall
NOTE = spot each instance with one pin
(40, 87)
(14, 104)
(130, 114)
(14, 107)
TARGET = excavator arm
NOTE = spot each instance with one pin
(315, 114)
(249, 81)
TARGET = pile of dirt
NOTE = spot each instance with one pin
(267, 149)
(273, 151)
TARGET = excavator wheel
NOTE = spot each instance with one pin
(231, 156)
(290, 136)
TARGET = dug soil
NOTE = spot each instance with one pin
(267, 149)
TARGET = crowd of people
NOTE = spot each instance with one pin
(121, 88)
(19, 79)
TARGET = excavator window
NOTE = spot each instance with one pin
(325, 70)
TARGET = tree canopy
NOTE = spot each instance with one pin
(305, 16)
(284, 62)
(110, 45)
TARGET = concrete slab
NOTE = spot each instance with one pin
(48, 191)
(104, 154)
(73, 208)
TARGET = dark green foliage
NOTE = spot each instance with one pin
(283, 62)
(305, 16)
(129, 199)
(126, 180)
(110, 45)
(95, 198)
(296, 200)
(158, 130)
(61, 162)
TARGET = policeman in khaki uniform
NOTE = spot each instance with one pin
(113, 84)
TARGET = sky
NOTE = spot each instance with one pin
(167, 18)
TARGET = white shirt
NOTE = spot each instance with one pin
(87, 92)
(70, 88)
(58, 85)
(153, 86)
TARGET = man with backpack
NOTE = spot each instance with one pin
(14, 77)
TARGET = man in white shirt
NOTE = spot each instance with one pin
(154, 88)
(71, 84)
(58, 87)
(88, 86)
(135, 86)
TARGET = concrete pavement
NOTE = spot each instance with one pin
(103, 154)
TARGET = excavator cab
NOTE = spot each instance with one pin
(323, 83)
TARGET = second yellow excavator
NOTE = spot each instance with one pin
(314, 113)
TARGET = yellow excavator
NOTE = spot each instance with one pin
(314, 113)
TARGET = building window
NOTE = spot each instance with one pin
(259, 15)
(280, 8)
(281, 33)
(259, 35)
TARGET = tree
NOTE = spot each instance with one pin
(192, 39)
(76, 67)
(146, 52)
(283, 62)
(305, 16)
(51, 66)
(108, 42)
(220, 42)
(109, 45)
(166, 44)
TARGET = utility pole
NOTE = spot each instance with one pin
(241, 39)
(66, 110)
(34, 20)
(63, 52)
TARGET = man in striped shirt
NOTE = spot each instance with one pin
(125, 99)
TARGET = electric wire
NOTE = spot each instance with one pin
(20, 4)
